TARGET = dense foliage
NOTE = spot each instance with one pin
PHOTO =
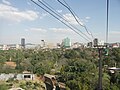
(77, 68)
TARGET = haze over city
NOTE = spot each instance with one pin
(22, 18)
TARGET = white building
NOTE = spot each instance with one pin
(24, 76)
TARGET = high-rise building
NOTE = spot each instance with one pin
(66, 43)
(90, 44)
(43, 43)
(23, 42)
(95, 42)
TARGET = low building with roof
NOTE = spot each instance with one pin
(23, 76)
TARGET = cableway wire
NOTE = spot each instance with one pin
(107, 21)
(75, 16)
(58, 19)
(59, 15)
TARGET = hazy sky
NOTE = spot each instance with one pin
(22, 18)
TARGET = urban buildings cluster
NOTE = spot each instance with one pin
(66, 43)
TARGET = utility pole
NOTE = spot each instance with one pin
(100, 69)
(100, 50)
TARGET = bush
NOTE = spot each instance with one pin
(3, 87)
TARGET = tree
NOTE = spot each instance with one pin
(3, 87)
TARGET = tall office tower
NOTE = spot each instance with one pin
(23, 42)
(90, 44)
(95, 42)
(66, 43)
(43, 43)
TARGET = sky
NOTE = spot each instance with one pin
(23, 19)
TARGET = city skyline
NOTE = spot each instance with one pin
(22, 18)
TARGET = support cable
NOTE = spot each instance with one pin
(107, 21)
(59, 19)
(59, 15)
(75, 16)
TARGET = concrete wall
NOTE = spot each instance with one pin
(5, 77)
